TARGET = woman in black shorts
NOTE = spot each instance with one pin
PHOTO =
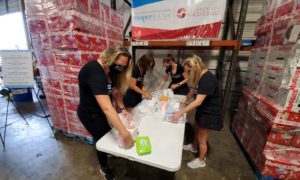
(101, 82)
(208, 104)
(176, 72)
(134, 94)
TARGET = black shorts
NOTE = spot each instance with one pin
(209, 121)
(132, 98)
(95, 123)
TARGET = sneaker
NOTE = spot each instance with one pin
(106, 173)
(189, 147)
(196, 163)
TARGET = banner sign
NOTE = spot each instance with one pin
(176, 19)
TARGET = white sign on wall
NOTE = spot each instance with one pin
(17, 69)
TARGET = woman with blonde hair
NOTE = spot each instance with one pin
(208, 103)
(100, 82)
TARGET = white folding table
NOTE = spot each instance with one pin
(166, 142)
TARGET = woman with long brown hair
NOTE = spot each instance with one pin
(176, 72)
(100, 82)
(134, 94)
(208, 103)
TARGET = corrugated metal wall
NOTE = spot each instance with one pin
(9, 6)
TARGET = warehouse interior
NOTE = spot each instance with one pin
(35, 149)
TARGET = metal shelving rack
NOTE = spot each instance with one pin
(235, 45)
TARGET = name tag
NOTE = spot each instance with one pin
(109, 88)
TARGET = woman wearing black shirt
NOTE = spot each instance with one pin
(134, 94)
(176, 72)
(100, 82)
(208, 104)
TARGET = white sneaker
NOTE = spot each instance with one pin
(189, 147)
(196, 163)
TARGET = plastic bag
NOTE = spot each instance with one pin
(131, 127)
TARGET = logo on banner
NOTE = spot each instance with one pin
(181, 13)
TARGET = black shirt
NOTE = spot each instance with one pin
(138, 76)
(177, 77)
(208, 85)
(92, 81)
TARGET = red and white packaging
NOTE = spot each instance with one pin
(82, 6)
(36, 25)
(282, 154)
(281, 54)
(280, 137)
(280, 170)
(95, 8)
(34, 8)
(285, 7)
(116, 19)
(75, 125)
(259, 25)
(282, 98)
(98, 44)
(70, 86)
(105, 12)
(71, 102)
(296, 141)
(66, 35)
(297, 8)
(45, 57)
(264, 35)
(76, 41)
(58, 117)
(289, 118)
(75, 58)
(280, 29)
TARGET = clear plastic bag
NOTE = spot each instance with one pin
(131, 127)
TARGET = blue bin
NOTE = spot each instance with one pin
(22, 95)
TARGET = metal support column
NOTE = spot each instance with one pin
(219, 72)
(6, 6)
(127, 26)
(234, 57)
(113, 4)
(134, 54)
(25, 25)
(127, 2)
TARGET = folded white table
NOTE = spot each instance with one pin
(166, 142)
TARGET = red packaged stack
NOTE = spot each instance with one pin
(268, 120)
(65, 36)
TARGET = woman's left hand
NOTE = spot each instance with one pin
(174, 86)
(127, 115)
(176, 116)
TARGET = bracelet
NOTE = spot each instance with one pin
(178, 84)
(122, 108)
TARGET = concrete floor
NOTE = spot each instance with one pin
(33, 153)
